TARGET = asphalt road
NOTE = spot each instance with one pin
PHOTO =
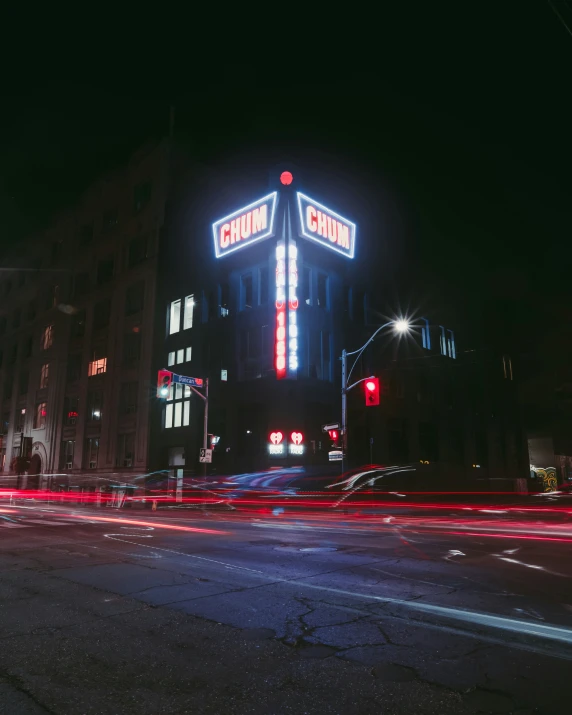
(106, 611)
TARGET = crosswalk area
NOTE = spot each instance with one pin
(23, 521)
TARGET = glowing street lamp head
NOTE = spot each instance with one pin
(401, 326)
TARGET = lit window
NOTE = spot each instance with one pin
(175, 317)
(180, 356)
(178, 414)
(426, 334)
(188, 355)
(168, 416)
(186, 413)
(97, 367)
(171, 359)
(189, 307)
(47, 337)
(91, 452)
(40, 415)
(178, 391)
(44, 374)
(451, 349)
(442, 340)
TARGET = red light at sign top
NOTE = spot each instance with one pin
(286, 178)
(370, 385)
(296, 437)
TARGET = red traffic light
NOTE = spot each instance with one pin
(372, 392)
(164, 380)
(333, 434)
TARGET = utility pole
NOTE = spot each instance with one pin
(206, 423)
(344, 407)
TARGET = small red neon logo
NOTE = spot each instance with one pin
(276, 437)
(286, 178)
(296, 437)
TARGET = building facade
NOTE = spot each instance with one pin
(256, 285)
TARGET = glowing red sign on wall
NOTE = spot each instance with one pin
(296, 437)
(252, 223)
(276, 437)
(326, 227)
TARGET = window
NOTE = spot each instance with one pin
(20, 420)
(40, 415)
(507, 367)
(224, 300)
(81, 283)
(104, 270)
(125, 450)
(128, 398)
(442, 340)
(67, 450)
(134, 298)
(97, 367)
(131, 349)
(101, 314)
(141, 196)
(188, 353)
(263, 290)
(47, 337)
(451, 349)
(178, 408)
(246, 291)
(180, 356)
(57, 248)
(32, 310)
(189, 307)
(27, 347)
(78, 325)
(71, 410)
(326, 359)
(16, 318)
(86, 234)
(137, 251)
(74, 367)
(425, 334)
(322, 292)
(91, 453)
(171, 359)
(94, 405)
(110, 219)
(175, 316)
(44, 375)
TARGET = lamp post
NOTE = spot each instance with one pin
(400, 326)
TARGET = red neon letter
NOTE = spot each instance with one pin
(259, 218)
(311, 219)
(224, 235)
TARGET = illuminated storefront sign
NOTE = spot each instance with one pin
(292, 308)
(280, 341)
(245, 226)
(275, 446)
(326, 227)
(296, 446)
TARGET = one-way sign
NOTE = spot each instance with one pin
(206, 456)
(327, 428)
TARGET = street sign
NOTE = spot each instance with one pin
(334, 425)
(336, 455)
(206, 456)
(193, 381)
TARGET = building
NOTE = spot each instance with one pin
(76, 333)
(256, 285)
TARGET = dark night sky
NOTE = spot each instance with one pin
(463, 112)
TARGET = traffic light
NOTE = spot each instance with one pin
(372, 391)
(334, 435)
(164, 380)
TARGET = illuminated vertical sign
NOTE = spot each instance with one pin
(280, 338)
(292, 308)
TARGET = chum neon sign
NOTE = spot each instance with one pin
(248, 225)
(322, 225)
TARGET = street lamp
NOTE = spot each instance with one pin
(400, 326)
